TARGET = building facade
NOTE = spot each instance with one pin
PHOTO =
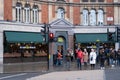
(75, 24)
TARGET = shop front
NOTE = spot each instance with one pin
(92, 40)
(24, 47)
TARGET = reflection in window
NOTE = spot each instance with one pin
(27, 13)
(85, 17)
(92, 17)
(35, 14)
(60, 13)
(100, 17)
(18, 12)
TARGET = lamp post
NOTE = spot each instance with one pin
(97, 45)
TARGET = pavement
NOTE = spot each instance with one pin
(72, 75)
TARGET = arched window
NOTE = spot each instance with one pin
(35, 14)
(18, 12)
(92, 17)
(100, 17)
(85, 17)
(27, 13)
(60, 13)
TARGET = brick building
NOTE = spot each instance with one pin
(75, 23)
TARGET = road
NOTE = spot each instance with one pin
(20, 76)
(110, 74)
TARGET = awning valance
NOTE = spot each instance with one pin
(91, 37)
(23, 37)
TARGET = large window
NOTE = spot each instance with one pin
(84, 0)
(60, 13)
(27, 13)
(100, 17)
(85, 17)
(92, 17)
(18, 12)
(35, 14)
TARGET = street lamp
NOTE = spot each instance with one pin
(97, 45)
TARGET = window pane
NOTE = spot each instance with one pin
(85, 17)
(100, 17)
(92, 0)
(100, 0)
(92, 17)
(60, 13)
(84, 0)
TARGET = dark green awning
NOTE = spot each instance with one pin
(24, 37)
(90, 37)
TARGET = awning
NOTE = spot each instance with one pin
(23, 37)
(91, 37)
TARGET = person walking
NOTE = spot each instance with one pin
(59, 58)
(118, 57)
(112, 58)
(102, 58)
(79, 58)
(85, 58)
(68, 60)
(92, 58)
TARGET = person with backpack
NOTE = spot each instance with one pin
(79, 58)
(102, 58)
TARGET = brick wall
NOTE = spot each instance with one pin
(76, 13)
(110, 13)
(7, 9)
(44, 13)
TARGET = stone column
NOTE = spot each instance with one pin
(1, 52)
(117, 46)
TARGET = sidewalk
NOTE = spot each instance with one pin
(72, 75)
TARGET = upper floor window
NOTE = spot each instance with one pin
(60, 0)
(18, 12)
(35, 14)
(92, 0)
(100, 0)
(85, 17)
(60, 13)
(84, 0)
(100, 17)
(27, 13)
(92, 17)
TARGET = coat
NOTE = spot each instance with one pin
(85, 57)
(92, 54)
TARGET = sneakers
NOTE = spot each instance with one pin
(102, 68)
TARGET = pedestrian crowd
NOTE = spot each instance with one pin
(105, 58)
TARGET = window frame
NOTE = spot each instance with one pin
(60, 13)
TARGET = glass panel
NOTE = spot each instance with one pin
(92, 0)
(84, 0)
(85, 17)
(60, 13)
(92, 17)
(100, 17)
(100, 0)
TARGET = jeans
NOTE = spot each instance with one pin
(59, 62)
(79, 66)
